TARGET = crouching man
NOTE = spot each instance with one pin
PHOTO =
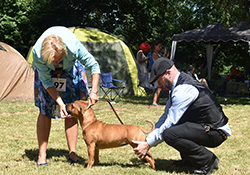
(193, 119)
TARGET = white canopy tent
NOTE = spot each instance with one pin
(213, 33)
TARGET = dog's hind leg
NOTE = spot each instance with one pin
(150, 160)
(91, 154)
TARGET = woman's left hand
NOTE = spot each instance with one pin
(93, 97)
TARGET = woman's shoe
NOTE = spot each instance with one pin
(42, 164)
(72, 162)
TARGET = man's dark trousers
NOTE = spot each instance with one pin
(190, 139)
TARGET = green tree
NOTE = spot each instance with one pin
(135, 21)
(13, 19)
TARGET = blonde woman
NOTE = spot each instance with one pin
(59, 79)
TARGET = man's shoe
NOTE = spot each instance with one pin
(207, 169)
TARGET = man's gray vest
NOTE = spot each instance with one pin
(205, 109)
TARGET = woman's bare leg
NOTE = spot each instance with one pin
(71, 130)
(156, 96)
(43, 130)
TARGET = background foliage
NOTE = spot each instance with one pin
(135, 21)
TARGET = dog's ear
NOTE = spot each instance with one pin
(77, 106)
(81, 106)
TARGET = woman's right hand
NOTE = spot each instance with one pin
(54, 94)
(63, 111)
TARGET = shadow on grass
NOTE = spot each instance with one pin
(225, 100)
(234, 100)
(161, 164)
(32, 154)
(167, 166)
(138, 100)
(143, 100)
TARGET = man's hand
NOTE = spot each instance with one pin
(141, 149)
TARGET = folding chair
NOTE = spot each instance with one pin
(109, 88)
(144, 82)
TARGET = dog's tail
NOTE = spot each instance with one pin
(148, 130)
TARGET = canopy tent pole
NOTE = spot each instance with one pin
(173, 49)
(249, 48)
(209, 50)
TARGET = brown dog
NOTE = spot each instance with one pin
(98, 135)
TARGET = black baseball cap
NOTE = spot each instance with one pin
(159, 67)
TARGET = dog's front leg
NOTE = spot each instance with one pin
(91, 154)
(96, 156)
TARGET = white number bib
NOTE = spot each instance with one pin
(60, 84)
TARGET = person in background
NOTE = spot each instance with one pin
(142, 59)
(191, 72)
(59, 58)
(187, 124)
(236, 75)
(155, 54)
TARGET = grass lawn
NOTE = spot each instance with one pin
(19, 147)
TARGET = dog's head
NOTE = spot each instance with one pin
(78, 108)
